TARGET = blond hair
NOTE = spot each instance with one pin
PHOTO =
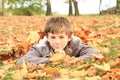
(58, 24)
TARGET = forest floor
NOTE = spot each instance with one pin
(18, 33)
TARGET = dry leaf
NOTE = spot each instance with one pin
(24, 67)
(35, 75)
(50, 70)
(91, 71)
(18, 75)
(57, 57)
(105, 66)
(100, 56)
(64, 71)
(33, 37)
(16, 29)
(93, 78)
(78, 74)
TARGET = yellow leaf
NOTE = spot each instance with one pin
(65, 78)
(57, 57)
(105, 66)
(33, 36)
(100, 56)
(63, 71)
(35, 74)
(18, 75)
(31, 75)
(1, 74)
(93, 78)
(24, 67)
(77, 74)
(10, 42)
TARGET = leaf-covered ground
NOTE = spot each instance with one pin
(18, 33)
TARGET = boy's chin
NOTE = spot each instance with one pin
(59, 51)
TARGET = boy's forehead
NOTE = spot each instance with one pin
(54, 31)
(57, 29)
(57, 33)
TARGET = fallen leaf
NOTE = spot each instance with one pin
(35, 75)
(33, 37)
(105, 66)
(57, 57)
(50, 70)
(93, 78)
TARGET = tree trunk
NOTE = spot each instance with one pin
(48, 12)
(70, 8)
(76, 7)
(118, 7)
(1, 7)
(100, 6)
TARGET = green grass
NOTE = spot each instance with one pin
(4, 51)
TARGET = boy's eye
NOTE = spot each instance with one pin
(61, 37)
(52, 37)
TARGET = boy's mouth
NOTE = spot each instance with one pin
(57, 47)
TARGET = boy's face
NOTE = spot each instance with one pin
(58, 41)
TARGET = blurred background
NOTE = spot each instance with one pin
(58, 7)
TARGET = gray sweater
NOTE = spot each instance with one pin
(39, 53)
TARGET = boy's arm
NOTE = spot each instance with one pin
(34, 56)
(86, 52)
(83, 51)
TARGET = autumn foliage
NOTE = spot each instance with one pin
(21, 32)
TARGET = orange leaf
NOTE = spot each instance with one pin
(91, 71)
(57, 57)
(50, 70)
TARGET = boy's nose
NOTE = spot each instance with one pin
(57, 41)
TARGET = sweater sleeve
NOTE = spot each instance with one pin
(87, 52)
(36, 54)
(33, 56)
(81, 50)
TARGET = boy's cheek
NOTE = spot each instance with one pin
(51, 40)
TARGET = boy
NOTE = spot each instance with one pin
(58, 38)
